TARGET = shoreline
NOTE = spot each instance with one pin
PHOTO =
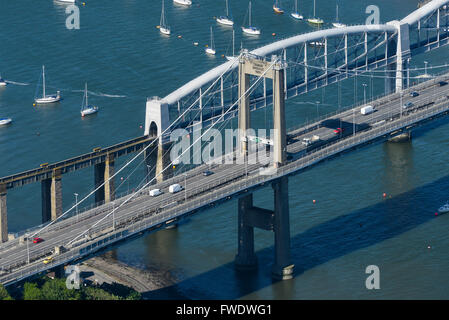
(152, 284)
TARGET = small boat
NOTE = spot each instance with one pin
(296, 14)
(277, 8)
(315, 20)
(211, 49)
(338, 24)
(47, 98)
(5, 121)
(316, 44)
(163, 28)
(444, 208)
(66, 1)
(183, 2)
(86, 109)
(226, 20)
(2, 82)
(233, 46)
(250, 29)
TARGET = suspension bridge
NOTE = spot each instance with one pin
(296, 66)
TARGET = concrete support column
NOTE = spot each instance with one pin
(245, 259)
(109, 186)
(99, 170)
(163, 160)
(282, 268)
(3, 215)
(244, 114)
(52, 197)
(280, 133)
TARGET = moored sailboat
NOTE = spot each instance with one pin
(87, 109)
(315, 20)
(47, 98)
(211, 49)
(163, 28)
(296, 14)
(338, 24)
(226, 20)
(277, 8)
(251, 30)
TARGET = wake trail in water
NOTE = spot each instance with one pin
(98, 94)
(17, 83)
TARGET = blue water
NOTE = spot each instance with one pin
(122, 56)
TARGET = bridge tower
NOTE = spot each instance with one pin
(249, 216)
(402, 52)
(157, 120)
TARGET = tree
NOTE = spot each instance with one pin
(4, 295)
(56, 289)
(31, 292)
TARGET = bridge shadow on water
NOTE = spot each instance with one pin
(322, 243)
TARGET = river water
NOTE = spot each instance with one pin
(121, 55)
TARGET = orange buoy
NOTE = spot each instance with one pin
(436, 213)
(384, 194)
(273, 34)
(158, 27)
(179, 37)
(314, 201)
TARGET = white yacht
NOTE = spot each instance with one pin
(183, 2)
(315, 20)
(233, 47)
(87, 109)
(3, 83)
(444, 208)
(250, 29)
(226, 20)
(47, 98)
(338, 24)
(296, 14)
(211, 49)
(163, 28)
(5, 121)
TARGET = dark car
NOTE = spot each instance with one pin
(414, 94)
(442, 83)
(37, 240)
(407, 105)
(207, 173)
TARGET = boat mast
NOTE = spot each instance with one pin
(296, 6)
(162, 23)
(43, 80)
(250, 13)
(314, 13)
(337, 13)
(227, 9)
(85, 92)
(233, 55)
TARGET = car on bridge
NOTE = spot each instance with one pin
(339, 130)
(47, 260)
(174, 188)
(407, 105)
(37, 240)
(442, 83)
(155, 192)
(207, 173)
(414, 94)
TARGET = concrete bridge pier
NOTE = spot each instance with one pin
(404, 137)
(278, 221)
(52, 197)
(3, 215)
(102, 172)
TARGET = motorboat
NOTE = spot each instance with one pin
(47, 98)
(183, 2)
(5, 121)
(87, 109)
(444, 208)
(3, 83)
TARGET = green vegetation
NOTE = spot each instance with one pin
(55, 289)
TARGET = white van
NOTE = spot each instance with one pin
(174, 188)
(155, 192)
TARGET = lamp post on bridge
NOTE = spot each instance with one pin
(408, 72)
(317, 113)
(364, 93)
(76, 205)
